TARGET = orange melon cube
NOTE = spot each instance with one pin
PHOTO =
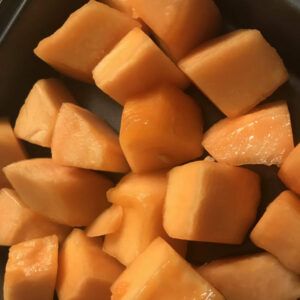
(163, 137)
(94, 146)
(124, 6)
(37, 117)
(84, 39)
(135, 65)
(236, 71)
(66, 195)
(85, 271)
(263, 136)
(217, 203)
(278, 230)
(31, 270)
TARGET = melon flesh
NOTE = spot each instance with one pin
(31, 270)
(66, 195)
(263, 136)
(37, 117)
(236, 71)
(84, 39)
(83, 140)
(124, 6)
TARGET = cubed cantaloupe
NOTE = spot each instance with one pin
(85, 272)
(160, 273)
(211, 202)
(84, 39)
(160, 129)
(236, 71)
(37, 117)
(94, 145)
(66, 195)
(31, 270)
(135, 65)
(124, 6)
(278, 230)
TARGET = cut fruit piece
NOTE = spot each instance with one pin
(161, 129)
(108, 222)
(278, 231)
(255, 277)
(31, 270)
(264, 136)
(84, 39)
(37, 117)
(124, 6)
(152, 274)
(236, 71)
(93, 146)
(134, 66)
(66, 195)
(217, 203)
(180, 25)
(85, 271)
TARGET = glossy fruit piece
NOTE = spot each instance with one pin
(236, 71)
(31, 270)
(217, 203)
(263, 136)
(66, 195)
(37, 117)
(160, 129)
(84, 39)
(94, 146)
(85, 271)
(134, 66)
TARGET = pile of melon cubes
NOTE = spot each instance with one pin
(71, 229)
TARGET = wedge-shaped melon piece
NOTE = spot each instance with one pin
(94, 146)
(255, 277)
(236, 71)
(135, 65)
(124, 6)
(211, 202)
(160, 129)
(31, 270)
(263, 136)
(37, 117)
(84, 39)
(85, 271)
(278, 230)
(67, 195)
(180, 25)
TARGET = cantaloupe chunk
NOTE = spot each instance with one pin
(264, 136)
(124, 6)
(84, 39)
(135, 65)
(66, 195)
(160, 129)
(180, 25)
(85, 271)
(255, 277)
(37, 117)
(278, 230)
(236, 71)
(211, 202)
(160, 273)
(31, 270)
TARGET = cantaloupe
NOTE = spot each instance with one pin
(83, 140)
(84, 39)
(85, 271)
(37, 117)
(160, 129)
(160, 273)
(124, 6)
(66, 195)
(31, 270)
(135, 65)
(236, 71)
(278, 230)
(263, 136)
(211, 202)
